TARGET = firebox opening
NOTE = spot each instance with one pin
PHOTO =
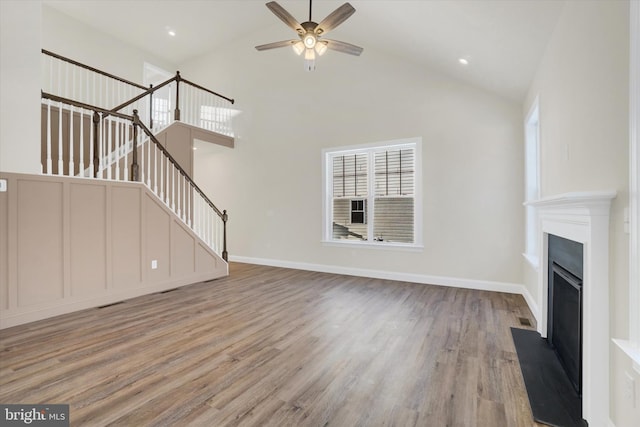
(564, 325)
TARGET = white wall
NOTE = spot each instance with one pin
(582, 84)
(66, 36)
(26, 27)
(20, 23)
(271, 182)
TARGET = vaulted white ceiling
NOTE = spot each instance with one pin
(503, 40)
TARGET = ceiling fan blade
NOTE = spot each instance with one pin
(335, 18)
(285, 16)
(343, 47)
(275, 45)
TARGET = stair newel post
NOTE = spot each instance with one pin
(150, 107)
(225, 217)
(96, 143)
(176, 116)
(135, 176)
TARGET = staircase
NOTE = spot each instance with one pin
(100, 126)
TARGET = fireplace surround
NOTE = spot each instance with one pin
(582, 217)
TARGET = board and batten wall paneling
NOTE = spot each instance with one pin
(206, 262)
(68, 244)
(88, 238)
(40, 228)
(126, 245)
(182, 243)
(158, 228)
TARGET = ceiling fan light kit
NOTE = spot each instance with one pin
(311, 34)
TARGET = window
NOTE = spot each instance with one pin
(217, 119)
(358, 214)
(161, 113)
(532, 182)
(371, 194)
(631, 346)
(161, 108)
(208, 117)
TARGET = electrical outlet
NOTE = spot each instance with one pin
(630, 389)
(3, 185)
(154, 264)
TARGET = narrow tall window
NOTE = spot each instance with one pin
(161, 114)
(370, 194)
(162, 105)
(208, 118)
(532, 181)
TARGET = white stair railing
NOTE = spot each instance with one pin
(83, 142)
(90, 142)
(70, 79)
(201, 107)
(176, 99)
(166, 179)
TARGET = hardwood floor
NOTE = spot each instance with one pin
(277, 347)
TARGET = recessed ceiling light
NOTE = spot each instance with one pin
(171, 33)
(463, 61)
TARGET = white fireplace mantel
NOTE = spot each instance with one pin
(582, 217)
(577, 203)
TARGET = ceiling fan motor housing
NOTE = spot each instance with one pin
(310, 33)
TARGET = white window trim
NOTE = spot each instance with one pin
(531, 224)
(631, 346)
(327, 230)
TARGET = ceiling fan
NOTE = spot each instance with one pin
(311, 34)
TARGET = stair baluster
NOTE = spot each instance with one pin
(112, 135)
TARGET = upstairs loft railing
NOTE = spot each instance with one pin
(83, 140)
(71, 79)
(176, 99)
(194, 105)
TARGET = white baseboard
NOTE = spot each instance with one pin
(483, 285)
(10, 318)
(531, 302)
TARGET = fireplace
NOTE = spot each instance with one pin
(581, 218)
(564, 317)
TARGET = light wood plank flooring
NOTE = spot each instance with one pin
(278, 347)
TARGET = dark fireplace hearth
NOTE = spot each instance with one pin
(582, 219)
(552, 367)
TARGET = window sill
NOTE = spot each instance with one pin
(532, 260)
(379, 246)
(631, 349)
